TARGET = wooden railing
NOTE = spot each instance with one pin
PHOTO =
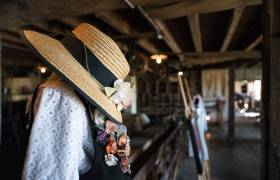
(161, 159)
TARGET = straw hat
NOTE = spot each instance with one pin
(88, 62)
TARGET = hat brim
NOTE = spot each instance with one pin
(59, 60)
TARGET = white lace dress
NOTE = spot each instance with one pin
(60, 144)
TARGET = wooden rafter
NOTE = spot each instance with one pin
(56, 28)
(195, 31)
(119, 24)
(15, 46)
(191, 7)
(257, 41)
(207, 58)
(37, 10)
(148, 46)
(232, 27)
(253, 44)
(192, 62)
(48, 9)
(12, 58)
(144, 35)
(71, 21)
(10, 36)
(168, 37)
(219, 54)
(222, 65)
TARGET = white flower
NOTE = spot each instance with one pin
(124, 94)
(111, 160)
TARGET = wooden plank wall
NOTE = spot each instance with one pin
(159, 97)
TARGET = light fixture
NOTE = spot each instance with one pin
(42, 69)
(158, 58)
(180, 73)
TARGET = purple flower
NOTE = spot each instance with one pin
(102, 137)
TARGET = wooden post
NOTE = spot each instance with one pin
(0, 92)
(183, 92)
(231, 120)
(157, 101)
(270, 165)
(189, 97)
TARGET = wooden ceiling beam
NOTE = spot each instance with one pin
(11, 36)
(194, 24)
(52, 27)
(232, 27)
(48, 9)
(191, 7)
(74, 21)
(144, 35)
(256, 42)
(231, 56)
(71, 21)
(253, 44)
(149, 3)
(16, 13)
(219, 54)
(206, 58)
(10, 57)
(15, 46)
(168, 38)
(222, 65)
(193, 62)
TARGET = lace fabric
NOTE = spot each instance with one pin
(60, 144)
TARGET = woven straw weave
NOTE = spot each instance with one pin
(104, 48)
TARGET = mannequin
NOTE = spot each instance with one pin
(77, 130)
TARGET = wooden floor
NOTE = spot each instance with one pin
(239, 163)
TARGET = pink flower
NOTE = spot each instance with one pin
(126, 103)
(122, 140)
(110, 127)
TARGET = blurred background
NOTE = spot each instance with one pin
(217, 45)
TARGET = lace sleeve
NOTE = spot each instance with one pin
(60, 143)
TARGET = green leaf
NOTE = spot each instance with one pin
(109, 91)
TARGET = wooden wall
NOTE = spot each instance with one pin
(161, 96)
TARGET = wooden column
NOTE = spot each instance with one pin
(0, 92)
(231, 118)
(271, 91)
